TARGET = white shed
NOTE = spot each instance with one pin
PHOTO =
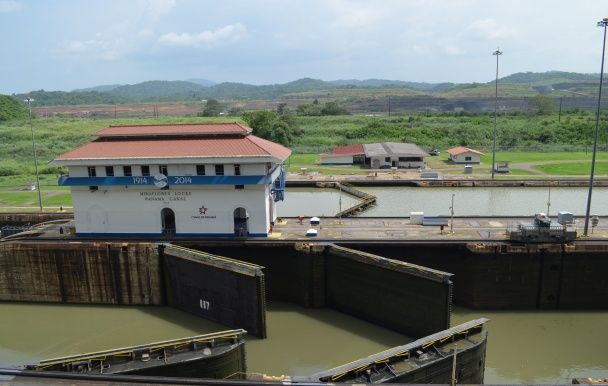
(464, 155)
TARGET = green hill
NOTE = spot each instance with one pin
(72, 98)
(10, 108)
(522, 84)
(547, 78)
(159, 90)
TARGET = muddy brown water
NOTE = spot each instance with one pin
(523, 347)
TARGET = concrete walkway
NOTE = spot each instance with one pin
(362, 228)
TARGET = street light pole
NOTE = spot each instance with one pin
(29, 105)
(452, 215)
(497, 53)
(602, 23)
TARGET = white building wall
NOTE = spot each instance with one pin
(198, 210)
(378, 162)
(78, 171)
(461, 158)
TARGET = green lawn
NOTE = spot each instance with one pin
(528, 157)
(521, 172)
(30, 198)
(311, 162)
(574, 168)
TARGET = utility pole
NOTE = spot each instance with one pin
(497, 53)
(29, 105)
(559, 117)
(389, 105)
(602, 23)
(452, 215)
(549, 202)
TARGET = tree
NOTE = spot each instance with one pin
(333, 108)
(281, 132)
(316, 109)
(269, 125)
(212, 108)
(543, 103)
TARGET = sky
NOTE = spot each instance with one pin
(63, 45)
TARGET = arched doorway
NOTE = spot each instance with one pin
(167, 218)
(241, 222)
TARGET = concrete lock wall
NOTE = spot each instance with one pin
(107, 273)
(503, 276)
(292, 273)
(410, 299)
(220, 289)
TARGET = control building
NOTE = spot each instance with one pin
(183, 180)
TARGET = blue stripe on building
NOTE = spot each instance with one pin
(171, 180)
(161, 236)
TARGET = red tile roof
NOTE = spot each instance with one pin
(461, 149)
(189, 129)
(177, 148)
(348, 150)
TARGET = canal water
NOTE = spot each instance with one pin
(399, 201)
(523, 347)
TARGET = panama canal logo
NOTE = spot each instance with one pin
(202, 214)
(160, 180)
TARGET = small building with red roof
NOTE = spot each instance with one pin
(464, 155)
(377, 155)
(344, 155)
(181, 180)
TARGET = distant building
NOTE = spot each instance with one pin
(464, 155)
(377, 155)
(344, 155)
(182, 180)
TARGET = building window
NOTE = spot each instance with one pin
(239, 187)
(467, 158)
(387, 159)
(145, 170)
(126, 171)
(110, 171)
(237, 170)
(219, 170)
(162, 169)
(92, 171)
(200, 170)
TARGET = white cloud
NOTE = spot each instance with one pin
(122, 36)
(421, 49)
(95, 48)
(356, 14)
(154, 9)
(488, 28)
(9, 6)
(225, 34)
(453, 50)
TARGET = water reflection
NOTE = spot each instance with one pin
(400, 201)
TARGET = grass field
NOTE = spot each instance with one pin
(573, 168)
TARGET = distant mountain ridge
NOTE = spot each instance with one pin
(549, 77)
(197, 89)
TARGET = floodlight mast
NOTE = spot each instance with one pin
(497, 53)
(602, 23)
